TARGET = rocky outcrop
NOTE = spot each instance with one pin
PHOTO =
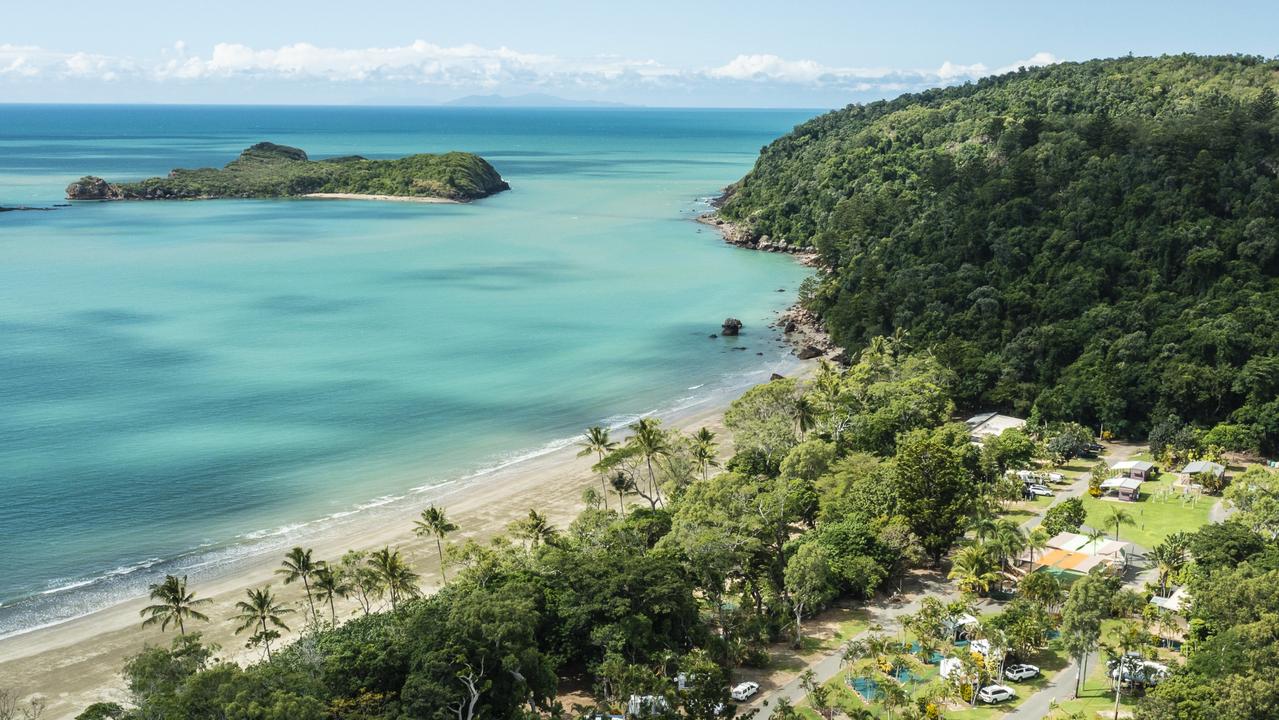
(731, 327)
(804, 331)
(90, 187)
(743, 237)
(808, 352)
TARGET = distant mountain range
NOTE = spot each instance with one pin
(528, 100)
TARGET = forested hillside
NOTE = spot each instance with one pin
(1091, 241)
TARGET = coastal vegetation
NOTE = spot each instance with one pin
(1094, 242)
(267, 170)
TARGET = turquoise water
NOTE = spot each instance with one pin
(185, 384)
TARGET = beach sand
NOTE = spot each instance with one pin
(76, 663)
(384, 198)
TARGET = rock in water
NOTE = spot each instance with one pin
(731, 327)
(809, 352)
(90, 188)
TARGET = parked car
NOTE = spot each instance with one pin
(745, 691)
(995, 694)
(1056, 477)
(1017, 673)
(1040, 490)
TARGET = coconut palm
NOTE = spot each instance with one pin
(651, 443)
(1119, 516)
(299, 565)
(331, 584)
(595, 441)
(535, 528)
(176, 604)
(1094, 535)
(973, 570)
(621, 484)
(261, 611)
(1008, 541)
(397, 579)
(1035, 541)
(982, 526)
(435, 524)
(805, 415)
(705, 451)
(1169, 557)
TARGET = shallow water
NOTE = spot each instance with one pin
(181, 381)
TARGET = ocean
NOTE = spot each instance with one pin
(186, 384)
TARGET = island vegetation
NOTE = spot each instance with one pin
(267, 170)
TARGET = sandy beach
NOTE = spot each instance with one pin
(76, 663)
(384, 198)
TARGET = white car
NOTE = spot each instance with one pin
(745, 691)
(1056, 477)
(995, 694)
(1017, 673)
(1040, 490)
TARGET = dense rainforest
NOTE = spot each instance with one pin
(1093, 241)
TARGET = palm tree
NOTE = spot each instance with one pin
(1169, 557)
(1119, 516)
(435, 523)
(331, 584)
(621, 484)
(705, 451)
(298, 565)
(535, 528)
(982, 526)
(597, 442)
(1037, 540)
(397, 578)
(175, 604)
(1009, 540)
(972, 571)
(261, 611)
(805, 415)
(1094, 535)
(651, 443)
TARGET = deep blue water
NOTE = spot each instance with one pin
(185, 383)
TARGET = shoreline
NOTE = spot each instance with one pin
(75, 662)
(801, 329)
(381, 198)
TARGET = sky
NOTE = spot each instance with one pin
(744, 53)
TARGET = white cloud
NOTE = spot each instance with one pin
(1037, 60)
(474, 66)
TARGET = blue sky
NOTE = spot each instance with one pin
(743, 53)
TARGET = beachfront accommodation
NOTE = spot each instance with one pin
(1122, 488)
(1071, 555)
(987, 425)
(1135, 469)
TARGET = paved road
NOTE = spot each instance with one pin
(1059, 689)
(883, 613)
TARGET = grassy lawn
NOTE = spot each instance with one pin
(1097, 694)
(1160, 512)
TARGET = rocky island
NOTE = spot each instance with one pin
(267, 170)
